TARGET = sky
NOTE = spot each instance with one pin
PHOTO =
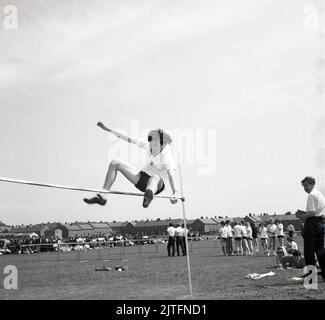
(235, 81)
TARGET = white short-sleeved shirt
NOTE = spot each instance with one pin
(263, 232)
(160, 163)
(244, 231)
(279, 230)
(271, 230)
(171, 231)
(184, 232)
(316, 202)
(229, 233)
(237, 231)
(224, 232)
(179, 232)
(249, 232)
(293, 245)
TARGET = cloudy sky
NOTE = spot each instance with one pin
(244, 72)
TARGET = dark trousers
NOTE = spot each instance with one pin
(171, 245)
(314, 232)
(179, 243)
(184, 245)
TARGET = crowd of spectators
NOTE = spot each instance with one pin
(36, 244)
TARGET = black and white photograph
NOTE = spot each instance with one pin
(162, 150)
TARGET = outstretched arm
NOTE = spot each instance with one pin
(173, 184)
(117, 134)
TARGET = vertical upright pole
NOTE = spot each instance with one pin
(184, 218)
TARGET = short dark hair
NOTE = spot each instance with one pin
(309, 180)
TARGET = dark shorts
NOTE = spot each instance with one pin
(143, 182)
(280, 236)
(237, 238)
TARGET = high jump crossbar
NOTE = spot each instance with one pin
(56, 186)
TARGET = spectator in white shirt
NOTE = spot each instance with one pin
(279, 232)
(249, 235)
(291, 245)
(264, 237)
(271, 231)
(237, 230)
(230, 236)
(223, 237)
(244, 239)
(179, 239)
(171, 240)
(185, 233)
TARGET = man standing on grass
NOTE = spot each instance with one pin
(185, 234)
(314, 225)
(179, 239)
(171, 240)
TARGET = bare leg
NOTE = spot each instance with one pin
(153, 183)
(128, 171)
(152, 188)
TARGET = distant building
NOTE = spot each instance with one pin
(40, 229)
(205, 225)
(158, 227)
(117, 226)
(101, 228)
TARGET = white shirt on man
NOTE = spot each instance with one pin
(279, 230)
(316, 202)
(184, 232)
(171, 231)
(229, 231)
(243, 230)
(249, 232)
(179, 231)
(271, 230)
(263, 232)
(224, 232)
(237, 230)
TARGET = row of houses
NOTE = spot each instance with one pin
(150, 227)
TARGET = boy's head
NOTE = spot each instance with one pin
(308, 184)
(280, 251)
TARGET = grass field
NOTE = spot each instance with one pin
(151, 275)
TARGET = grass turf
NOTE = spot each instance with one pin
(151, 275)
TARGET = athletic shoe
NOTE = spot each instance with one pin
(98, 199)
(148, 196)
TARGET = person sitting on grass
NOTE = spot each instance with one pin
(291, 245)
(294, 259)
